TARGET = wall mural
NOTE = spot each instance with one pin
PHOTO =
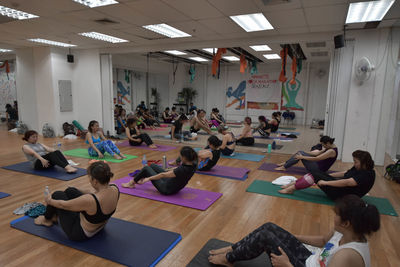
(289, 94)
(237, 97)
(124, 88)
(263, 92)
(8, 91)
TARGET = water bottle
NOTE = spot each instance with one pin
(273, 145)
(164, 162)
(144, 161)
(46, 191)
(59, 146)
(269, 148)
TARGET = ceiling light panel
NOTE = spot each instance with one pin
(198, 59)
(210, 50)
(175, 52)
(252, 22)
(2, 50)
(260, 47)
(272, 56)
(167, 30)
(49, 42)
(15, 14)
(231, 58)
(96, 3)
(368, 11)
(103, 37)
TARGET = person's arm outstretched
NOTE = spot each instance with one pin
(168, 174)
(327, 154)
(90, 141)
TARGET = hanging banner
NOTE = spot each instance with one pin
(289, 95)
(263, 92)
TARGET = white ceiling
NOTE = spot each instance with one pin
(206, 20)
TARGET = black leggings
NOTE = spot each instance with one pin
(69, 220)
(227, 151)
(144, 137)
(54, 158)
(162, 185)
(246, 141)
(267, 238)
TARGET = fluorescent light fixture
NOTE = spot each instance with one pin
(15, 14)
(260, 47)
(103, 37)
(165, 29)
(198, 59)
(272, 56)
(96, 3)
(231, 58)
(252, 22)
(175, 52)
(210, 50)
(2, 50)
(368, 11)
(49, 42)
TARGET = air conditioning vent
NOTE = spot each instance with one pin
(316, 44)
(106, 21)
(319, 54)
(275, 2)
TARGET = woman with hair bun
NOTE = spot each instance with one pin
(83, 213)
(246, 137)
(316, 160)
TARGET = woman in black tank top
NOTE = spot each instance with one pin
(135, 137)
(82, 214)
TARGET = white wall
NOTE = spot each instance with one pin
(393, 137)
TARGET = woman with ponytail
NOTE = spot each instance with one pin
(168, 182)
(345, 245)
(246, 137)
(316, 160)
(83, 213)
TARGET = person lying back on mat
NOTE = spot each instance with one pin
(262, 128)
(42, 156)
(246, 137)
(345, 245)
(168, 182)
(320, 160)
(83, 213)
(200, 122)
(176, 130)
(358, 180)
(98, 144)
(135, 137)
(228, 141)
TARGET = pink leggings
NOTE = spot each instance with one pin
(304, 182)
(215, 123)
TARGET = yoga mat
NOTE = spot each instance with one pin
(168, 137)
(124, 242)
(274, 138)
(292, 170)
(261, 145)
(227, 172)
(155, 130)
(201, 258)
(162, 148)
(241, 156)
(187, 197)
(54, 172)
(83, 153)
(3, 195)
(287, 128)
(286, 132)
(316, 196)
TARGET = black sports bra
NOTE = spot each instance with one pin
(99, 216)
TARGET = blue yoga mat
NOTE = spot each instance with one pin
(54, 172)
(3, 195)
(120, 241)
(241, 156)
(288, 132)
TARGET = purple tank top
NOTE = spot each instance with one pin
(325, 164)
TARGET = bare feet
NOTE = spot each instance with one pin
(123, 156)
(280, 169)
(41, 220)
(220, 250)
(70, 169)
(220, 259)
(152, 146)
(287, 185)
(117, 156)
(281, 164)
(287, 191)
(130, 184)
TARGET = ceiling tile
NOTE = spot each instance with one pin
(312, 3)
(326, 28)
(235, 7)
(293, 30)
(193, 28)
(277, 5)
(195, 9)
(286, 19)
(387, 23)
(43, 7)
(222, 25)
(326, 15)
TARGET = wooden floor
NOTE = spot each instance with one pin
(229, 218)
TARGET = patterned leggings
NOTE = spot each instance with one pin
(104, 146)
(267, 238)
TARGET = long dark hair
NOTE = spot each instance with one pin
(188, 153)
(28, 134)
(183, 117)
(131, 121)
(262, 118)
(100, 171)
(326, 139)
(365, 159)
(213, 140)
(91, 124)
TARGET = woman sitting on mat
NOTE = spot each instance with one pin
(166, 117)
(358, 180)
(135, 137)
(83, 213)
(228, 141)
(176, 130)
(98, 144)
(320, 160)
(209, 156)
(42, 156)
(200, 122)
(215, 118)
(345, 245)
(168, 182)
(262, 128)
(121, 121)
(174, 115)
(246, 137)
(273, 124)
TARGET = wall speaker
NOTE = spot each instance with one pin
(70, 58)
(339, 41)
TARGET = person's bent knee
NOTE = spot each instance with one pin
(269, 225)
(58, 195)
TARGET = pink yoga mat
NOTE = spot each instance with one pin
(162, 148)
(187, 197)
(227, 172)
(292, 170)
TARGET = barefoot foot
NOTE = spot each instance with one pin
(70, 169)
(130, 184)
(280, 169)
(122, 156)
(220, 250)
(152, 146)
(287, 191)
(117, 156)
(220, 259)
(41, 220)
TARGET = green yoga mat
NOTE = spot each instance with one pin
(287, 128)
(83, 153)
(316, 196)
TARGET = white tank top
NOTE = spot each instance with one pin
(321, 257)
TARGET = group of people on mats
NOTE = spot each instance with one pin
(83, 213)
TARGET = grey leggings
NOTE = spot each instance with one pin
(309, 165)
(161, 185)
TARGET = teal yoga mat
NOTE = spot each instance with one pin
(316, 196)
(241, 156)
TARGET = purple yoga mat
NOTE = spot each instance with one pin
(187, 197)
(227, 172)
(162, 148)
(292, 170)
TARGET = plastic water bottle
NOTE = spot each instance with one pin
(144, 161)
(269, 148)
(46, 191)
(59, 146)
(273, 145)
(164, 162)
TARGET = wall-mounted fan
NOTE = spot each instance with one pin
(363, 69)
